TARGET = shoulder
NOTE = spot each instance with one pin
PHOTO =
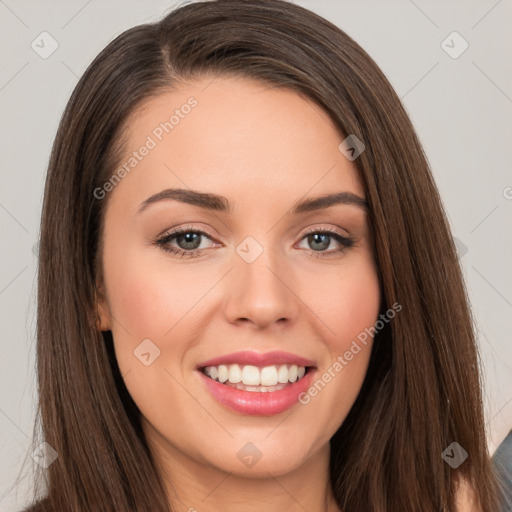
(465, 498)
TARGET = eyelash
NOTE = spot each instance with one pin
(163, 242)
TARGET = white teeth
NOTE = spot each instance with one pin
(249, 375)
(223, 373)
(268, 376)
(282, 374)
(235, 374)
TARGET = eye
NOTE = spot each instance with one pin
(320, 240)
(187, 239)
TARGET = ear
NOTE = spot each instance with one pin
(103, 315)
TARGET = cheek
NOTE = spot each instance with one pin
(147, 303)
(347, 302)
(348, 307)
(143, 307)
(359, 303)
(148, 298)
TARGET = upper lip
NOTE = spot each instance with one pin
(257, 359)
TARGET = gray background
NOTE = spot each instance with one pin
(461, 108)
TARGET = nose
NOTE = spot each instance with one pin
(261, 293)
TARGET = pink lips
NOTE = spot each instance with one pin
(258, 403)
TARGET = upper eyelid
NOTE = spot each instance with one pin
(186, 229)
(319, 229)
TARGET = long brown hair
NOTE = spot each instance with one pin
(422, 390)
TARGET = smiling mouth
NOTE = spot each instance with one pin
(256, 379)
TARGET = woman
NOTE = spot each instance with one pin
(249, 297)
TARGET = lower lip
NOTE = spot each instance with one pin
(258, 403)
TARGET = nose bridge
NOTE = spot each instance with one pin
(260, 289)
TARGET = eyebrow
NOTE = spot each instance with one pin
(219, 203)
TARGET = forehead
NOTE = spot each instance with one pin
(243, 139)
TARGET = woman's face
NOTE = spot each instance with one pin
(261, 290)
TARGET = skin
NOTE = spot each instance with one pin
(465, 498)
(263, 149)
